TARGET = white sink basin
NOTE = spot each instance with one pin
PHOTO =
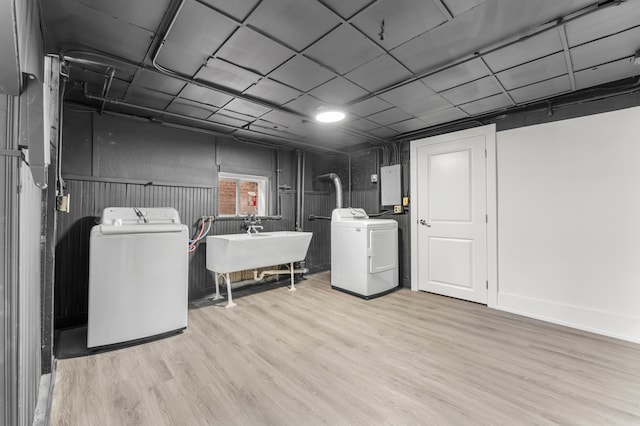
(239, 252)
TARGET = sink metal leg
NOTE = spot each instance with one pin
(230, 303)
(217, 295)
(293, 286)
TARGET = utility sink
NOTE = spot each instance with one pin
(240, 252)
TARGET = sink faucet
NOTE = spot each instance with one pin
(252, 223)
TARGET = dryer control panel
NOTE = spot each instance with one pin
(343, 215)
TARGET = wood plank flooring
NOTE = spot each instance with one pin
(317, 356)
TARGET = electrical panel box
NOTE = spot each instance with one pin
(391, 185)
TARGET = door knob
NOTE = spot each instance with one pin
(425, 223)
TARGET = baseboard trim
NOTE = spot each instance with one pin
(42, 413)
(610, 324)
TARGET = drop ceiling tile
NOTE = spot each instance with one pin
(272, 92)
(224, 74)
(379, 73)
(412, 97)
(147, 97)
(253, 51)
(338, 91)
(531, 72)
(457, 75)
(383, 132)
(343, 49)
(146, 14)
(458, 7)
(606, 49)
(73, 24)
(409, 125)
(487, 104)
(161, 83)
(610, 20)
(222, 118)
(247, 108)
(363, 124)
(181, 61)
(369, 106)
(295, 23)
(606, 73)
(280, 118)
(389, 116)
(238, 9)
(193, 31)
(205, 96)
(301, 73)
(543, 89)
(304, 105)
(189, 108)
(532, 48)
(237, 115)
(472, 91)
(346, 9)
(275, 127)
(403, 20)
(443, 116)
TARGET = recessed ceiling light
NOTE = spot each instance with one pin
(329, 116)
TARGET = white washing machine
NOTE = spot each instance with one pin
(138, 275)
(364, 253)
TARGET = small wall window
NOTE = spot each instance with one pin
(242, 195)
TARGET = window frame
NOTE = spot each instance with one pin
(264, 184)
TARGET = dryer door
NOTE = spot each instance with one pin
(383, 250)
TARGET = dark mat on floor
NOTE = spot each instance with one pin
(72, 343)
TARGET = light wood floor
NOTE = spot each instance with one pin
(318, 356)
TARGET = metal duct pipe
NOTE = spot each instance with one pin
(338, 184)
(299, 195)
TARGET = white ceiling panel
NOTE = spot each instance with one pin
(532, 48)
(280, 118)
(146, 14)
(253, 51)
(612, 19)
(457, 75)
(408, 125)
(346, 9)
(238, 116)
(304, 105)
(403, 20)
(205, 96)
(411, 97)
(147, 97)
(534, 71)
(343, 49)
(247, 108)
(363, 124)
(458, 7)
(302, 73)
(378, 73)
(472, 91)
(601, 74)
(491, 103)
(222, 73)
(338, 91)
(443, 116)
(383, 132)
(369, 106)
(159, 82)
(183, 62)
(389, 116)
(272, 91)
(297, 24)
(606, 49)
(238, 9)
(222, 118)
(193, 32)
(190, 108)
(543, 89)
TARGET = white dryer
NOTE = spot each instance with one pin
(138, 275)
(364, 253)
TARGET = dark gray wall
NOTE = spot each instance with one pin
(113, 160)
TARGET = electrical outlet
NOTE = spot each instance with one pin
(374, 178)
(397, 209)
(62, 203)
(405, 201)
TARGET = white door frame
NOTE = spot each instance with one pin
(492, 207)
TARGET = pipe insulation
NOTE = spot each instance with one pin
(337, 183)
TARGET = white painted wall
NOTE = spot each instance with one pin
(569, 222)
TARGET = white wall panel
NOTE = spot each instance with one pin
(568, 222)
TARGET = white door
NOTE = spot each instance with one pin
(449, 188)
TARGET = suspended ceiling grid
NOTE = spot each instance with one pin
(261, 69)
